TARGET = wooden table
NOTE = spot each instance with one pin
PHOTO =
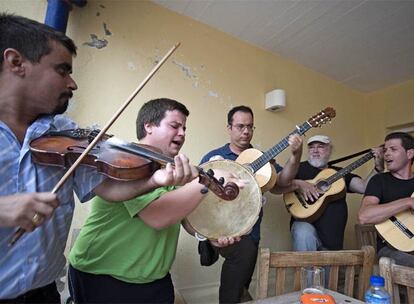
(293, 298)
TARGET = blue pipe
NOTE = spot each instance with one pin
(58, 12)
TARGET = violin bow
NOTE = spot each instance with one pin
(19, 233)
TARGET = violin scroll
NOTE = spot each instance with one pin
(228, 193)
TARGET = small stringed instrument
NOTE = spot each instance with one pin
(331, 186)
(398, 230)
(258, 162)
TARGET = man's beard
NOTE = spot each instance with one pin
(61, 109)
(318, 162)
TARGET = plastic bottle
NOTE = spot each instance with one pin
(376, 293)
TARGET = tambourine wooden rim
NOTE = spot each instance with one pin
(215, 217)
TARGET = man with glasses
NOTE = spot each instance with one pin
(240, 258)
(327, 232)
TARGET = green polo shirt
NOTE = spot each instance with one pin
(116, 242)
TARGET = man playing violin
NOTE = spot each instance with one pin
(327, 231)
(35, 87)
(240, 258)
(126, 250)
(390, 193)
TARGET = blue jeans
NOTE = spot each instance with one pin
(400, 257)
(305, 237)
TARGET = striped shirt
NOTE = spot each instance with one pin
(37, 258)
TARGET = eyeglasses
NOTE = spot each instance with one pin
(242, 127)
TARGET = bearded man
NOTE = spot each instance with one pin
(327, 232)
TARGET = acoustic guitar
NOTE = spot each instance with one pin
(330, 185)
(398, 230)
(258, 162)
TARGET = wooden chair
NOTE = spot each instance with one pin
(397, 276)
(355, 262)
(366, 235)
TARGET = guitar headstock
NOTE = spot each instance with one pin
(322, 117)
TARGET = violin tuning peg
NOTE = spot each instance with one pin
(221, 180)
(210, 172)
(204, 190)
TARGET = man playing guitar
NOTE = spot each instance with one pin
(327, 231)
(388, 196)
(240, 258)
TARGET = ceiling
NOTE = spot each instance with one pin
(364, 44)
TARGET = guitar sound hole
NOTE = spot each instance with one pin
(322, 186)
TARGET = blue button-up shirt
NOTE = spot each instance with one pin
(37, 258)
(226, 153)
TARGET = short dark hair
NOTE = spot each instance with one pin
(244, 109)
(154, 111)
(407, 141)
(31, 38)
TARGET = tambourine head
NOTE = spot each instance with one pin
(215, 217)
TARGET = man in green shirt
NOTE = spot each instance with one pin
(125, 251)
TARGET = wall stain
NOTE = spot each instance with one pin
(213, 94)
(190, 73)
(186, 69)
(97, 43)
(131, 66)
(107, 31)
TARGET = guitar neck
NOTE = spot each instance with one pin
(341, 173)
(279, 147)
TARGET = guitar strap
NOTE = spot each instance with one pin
(338, 160)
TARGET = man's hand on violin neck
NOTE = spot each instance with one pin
(21, 209)
(178, 175)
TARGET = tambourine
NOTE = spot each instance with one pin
(215, 217)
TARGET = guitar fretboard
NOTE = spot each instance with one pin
(341, 173)
(279, 147)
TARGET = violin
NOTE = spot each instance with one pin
(114, 158)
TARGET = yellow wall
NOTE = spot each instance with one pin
(397, 104)
(210, 73)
